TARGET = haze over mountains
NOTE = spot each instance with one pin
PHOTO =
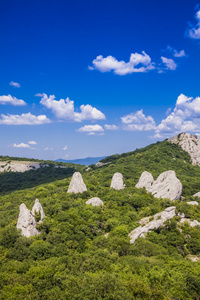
(83, 161)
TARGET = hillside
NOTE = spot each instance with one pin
(84, 252)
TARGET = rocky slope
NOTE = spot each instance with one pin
(190, 143)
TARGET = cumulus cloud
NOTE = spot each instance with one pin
(65, 148)
(21, 145)
(23, 119)
(92, 129)
(193, 31)
(111, 127)
(15, 84)
(138, 63)
(184, 117)
(11, 100)
(169, 63)
(32, 143)
(64, 109)
(138, 122)
(39, 95)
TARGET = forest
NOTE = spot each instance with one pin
(84, 252)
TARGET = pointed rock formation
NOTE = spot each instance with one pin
(146, 180)
(167, 185)
(95, 201)
(117, 182)
(26, 222)
(190, 143)
(37, 207)
(77, 184)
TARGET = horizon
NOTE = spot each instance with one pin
(87, 79)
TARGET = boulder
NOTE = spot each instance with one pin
(77, 184)
(95, 201)
(197, 195)
(117, 182)
(26, 222)
(37, 207)
(158, 220)
(146, 180)
(167, 185)
(193, 203)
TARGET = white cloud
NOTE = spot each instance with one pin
(64, 109)
(15, 84)
(111, 127)
(92, 129)
(184, 117)
(38, 95)
(24, 119)
(11, 100)
(176, 53)
(193, 31)
(138, 122)
(65, 148)
(32, 143)
(48, 149)
(169, 63)
(137, 63)
(21, 145)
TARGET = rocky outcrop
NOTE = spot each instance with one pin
(18, 166)
(192, 223)
(147, 225)
(146, 180)
(37, 207)
(193, 203)
(117, 182)
(197, 195)
(26, 219)
(77, 184)
(95, 201)
(26, 222)
(167, 185)
(190, 143)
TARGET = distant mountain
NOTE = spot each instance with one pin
(83, 161)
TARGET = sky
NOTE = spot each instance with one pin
(95, 78)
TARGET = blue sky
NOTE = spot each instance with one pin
(94, 78)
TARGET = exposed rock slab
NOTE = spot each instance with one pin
(197, 195)
(117, 182)
(167, 185)
(158, 220)
(37, 207)
(18, 166)
(26, 222)
(95, 201)
(190, 143)
(77, 184)
(146, 180)
(192, 223)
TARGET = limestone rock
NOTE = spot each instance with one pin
(190, 143)
(18, 166)
(158, 220)
(146, 180)
(76, 184)
(37, 207)
(167, 185)
(192, 223)
(26, 222)
(197, 195)
(193, 203)
(117, 182)
(95, 201)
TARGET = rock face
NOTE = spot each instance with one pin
(37, 207)
(167, 185)
(117, 182)
(95, 201)
(18, 166)
(192, 223)
(26, 219)
(190, 143)
(157, 222)
(146, 180)
(26, 222)
(76, 184)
